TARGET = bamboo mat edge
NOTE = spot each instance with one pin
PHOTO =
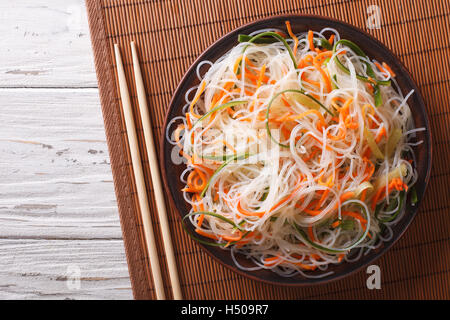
(132, 235)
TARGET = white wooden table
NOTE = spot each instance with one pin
(58, 213)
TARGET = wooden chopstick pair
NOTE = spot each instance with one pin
(139, 176)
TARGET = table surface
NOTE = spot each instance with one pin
(60, 235)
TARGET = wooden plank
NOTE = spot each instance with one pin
(56, 179)
(45, 43)
(37, 269)
(57, 201)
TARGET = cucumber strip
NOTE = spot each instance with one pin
(324, 43)
(414, 198)
(399, 201)
(265, 194)
(276, 36)
(262, 40)
(347, 224)
(334, 82)
(360, 53)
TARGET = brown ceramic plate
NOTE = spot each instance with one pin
(374, 49)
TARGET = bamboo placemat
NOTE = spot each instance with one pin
(171, 34)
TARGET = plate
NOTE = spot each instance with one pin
(374, 49)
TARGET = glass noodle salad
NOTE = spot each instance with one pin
(298, 152)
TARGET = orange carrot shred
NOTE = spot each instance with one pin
(386, 66)
(311, 40)
(292, 35)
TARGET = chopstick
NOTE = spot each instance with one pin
(156, 179)
(139, 178)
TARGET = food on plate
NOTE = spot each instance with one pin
(298, 151)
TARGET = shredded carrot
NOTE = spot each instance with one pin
(344, 197)
(369, 87)
(304, 62)
(249, 213)
(329, 184)
(209, 170)
(363, 195)
(272, 259)
(306, 113)
(386, 66)
(347, 195)
(236, 64)
(188, 121)
(335, 99)
(196, 181)
(395, 184)
(197, 198)
(343, 112)
(321, 57)
(253, 79)
(326, 78)
(247, 239)
(177, 137)
(281, 34)
(335, 224)
(306, 79)
(311, 40)
(370, 169)
(380, 67)
(311, 155)
(269, 262)
(380, 134)
(212, 236)
(355, 215)
(331, 39)
(261, 76)
(197, 96)
(342, 130)
(311, 233)
(283, 117)
(350, 123)
(218, 96)
(292, 35)
(327, 147)
(317, 62)
(367, 153)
